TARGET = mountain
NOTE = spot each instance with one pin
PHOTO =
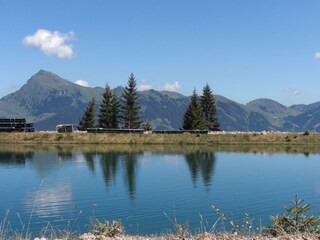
(48, 100)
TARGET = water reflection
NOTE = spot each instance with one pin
(49, 201)
(201, 163)
(89, 158)
(114, 162)
(14, 158)
(131, 162)
(140, 182)
(109, 165)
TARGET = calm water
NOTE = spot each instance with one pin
(62, 187)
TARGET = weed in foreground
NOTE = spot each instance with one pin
(108, 229)
(246, 228)
(181, 230)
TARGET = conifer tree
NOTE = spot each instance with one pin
(88, 118)
(108, 112)
(209, 108)
(193, 117)
(114, 112)
(130, 108)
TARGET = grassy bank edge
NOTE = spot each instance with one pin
(245, 138)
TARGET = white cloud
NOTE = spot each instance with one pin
(317, 55)
(82, 83)
(51, 42)
(295, 91)
(172, 86)
(292, 91)
(144, 86)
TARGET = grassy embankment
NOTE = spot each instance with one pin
(272, 138)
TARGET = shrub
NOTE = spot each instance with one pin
(306, 133)
(147, 126)
(294, 221)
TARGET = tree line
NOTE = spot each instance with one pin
(117, 113)
(114, 112)
(201, 112)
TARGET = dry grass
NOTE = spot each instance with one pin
(220, 138)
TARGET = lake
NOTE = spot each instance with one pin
(146, 187)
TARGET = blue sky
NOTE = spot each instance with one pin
(245, 49)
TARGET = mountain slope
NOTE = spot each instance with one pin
(44, 96)
(47, 100)
(273, 111)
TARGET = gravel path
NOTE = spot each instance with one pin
(89, 236)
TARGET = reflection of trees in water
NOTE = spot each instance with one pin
(15, 158)
(89, 157)
(65, 155)
(201, 163)
(112, 163)
(109, 165)
(131, 162)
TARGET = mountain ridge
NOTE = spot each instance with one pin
(47, 100)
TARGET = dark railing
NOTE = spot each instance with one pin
(106, 130)
(181, 131)
(15, 125)
(140, 131)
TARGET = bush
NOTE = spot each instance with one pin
(147, 126)
(306, 133)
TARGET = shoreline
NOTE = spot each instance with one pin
(211, 139)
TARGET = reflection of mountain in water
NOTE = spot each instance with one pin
(201, 163)
(15, 158)
(45, 162)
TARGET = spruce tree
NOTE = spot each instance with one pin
(130, 108)
(88, 118)
(193, 117)
(114, 112)
(209, 108)
(108, 112)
